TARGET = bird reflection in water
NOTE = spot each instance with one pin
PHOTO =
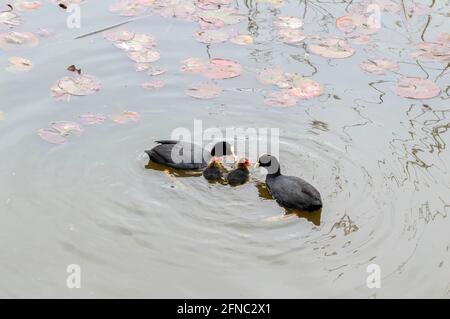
(313, 217)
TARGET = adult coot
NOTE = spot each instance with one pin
(214, 171)
(185, 155)
(241, 174)
(289, 191)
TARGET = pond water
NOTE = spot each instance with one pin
(379, 158)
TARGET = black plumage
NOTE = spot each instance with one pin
(240, 175)
(185, 155)
(289, 191)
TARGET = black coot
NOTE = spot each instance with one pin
(214, 171)
(241, 174)
(289, 191)
(185, 155)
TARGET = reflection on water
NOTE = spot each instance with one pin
(138, 229)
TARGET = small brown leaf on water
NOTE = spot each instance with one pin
(73, 68)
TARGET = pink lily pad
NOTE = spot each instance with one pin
(91, 119)
(290, 35)
(222, 69)
(10, 19)
(146, 56)
(379, 66)
(22, 5)
(206, 90)
(125, 117)
(417, 88)
(282, 98)
(52, 136)
(153, 85)
(288, 22)
(19, 65)
(78, 85)
(273, 76)
(304, 88)
(13, 40)
(65, 127)
(211, 36)
(332, 48)
(242, 39)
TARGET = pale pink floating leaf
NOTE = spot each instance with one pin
(215, 69)
(242, 39)
(379, 66)
(91, 119)
(181, 9)
(227, 15)
(273, 76)
(145, 56)
(211, 36)
(222, 69)
(118, 35)
(290, 35)
(432, 51)
(332, 48)
(78, 85)
(304, 88)
(153, 85)
(19, 65)
(417, 88)
(127, 8)
(22, 5)
(282, 98)
(12, 40)
(52, 136)
(125, 117)
(205, 90)
(66, 127)
(10, 19)
(357, 24)
(288, 22)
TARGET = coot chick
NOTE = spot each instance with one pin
(185, 155)
(289, 191)
(241, 174)
(214, 171)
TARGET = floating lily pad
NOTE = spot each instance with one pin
(78, 85)
(205, 90)
(214, 69)
(125, 117)
(304, 88)
(417, 88)
(10, 19)
(290, 35)
(19, 65)
(211, 36)
(282, 98)
(57, 132)
(13, 40)
(91, 119)
(145, 56)
(357, 24)
(180, 9)
(332, 48)
(288, 22)
(379, 66)
(227, 15)
(222, 69)
(153, 85)
(127, 8)
(273, 76)
(242, 39)
(22, 5)
(428, 51)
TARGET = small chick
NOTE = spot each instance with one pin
(214, 171)
(241, 174)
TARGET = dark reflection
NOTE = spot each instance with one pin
(313, 217)
(171, 171)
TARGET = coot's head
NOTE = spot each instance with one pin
(222, 149)
(244, 163)
(270, 163)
